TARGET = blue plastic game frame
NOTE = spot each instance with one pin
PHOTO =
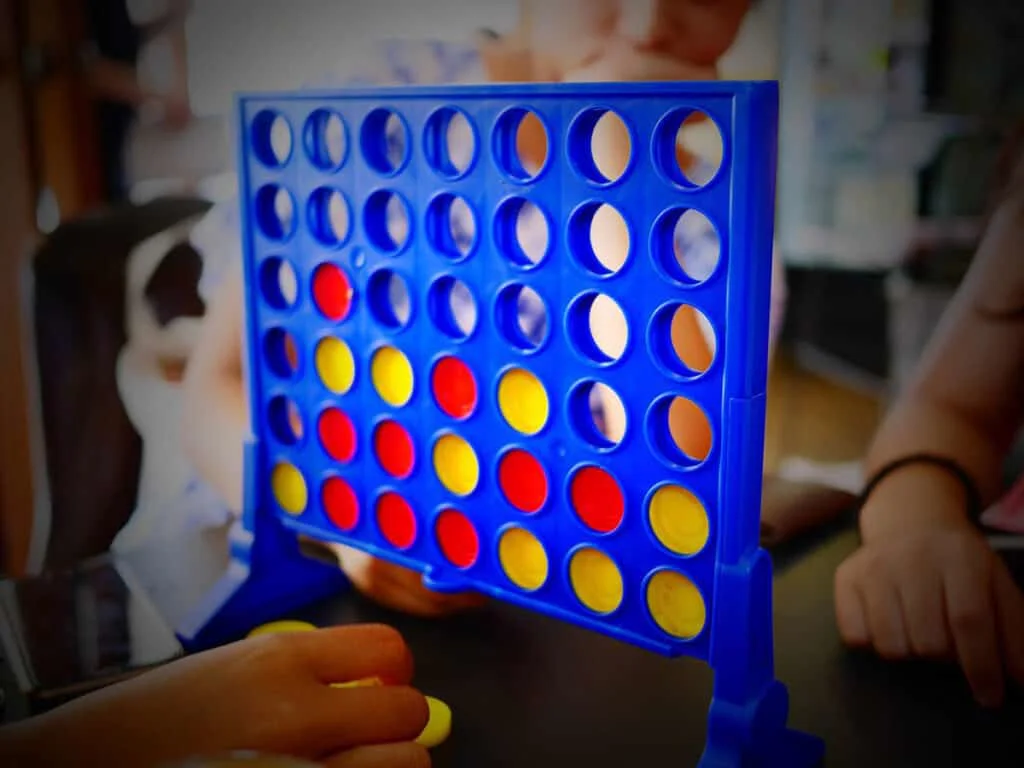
(269, 576)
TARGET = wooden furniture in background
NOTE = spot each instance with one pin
(49, 155)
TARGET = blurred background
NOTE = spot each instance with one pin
(115, 123)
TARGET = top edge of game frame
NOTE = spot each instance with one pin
(685, 88)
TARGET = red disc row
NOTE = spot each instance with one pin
(455, 534)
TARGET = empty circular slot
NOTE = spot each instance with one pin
(683, 340)
(326, 140)
(599, 238)
(340, 503)
(393, 447)
(457, 538)
(522, 232)
(456, 465)
(688, 147)
(596, 580)
(385, 141)
(597, 327)
(289, 488)
(597, 499)
(329, 217)
(678, 520)
(335, 365)
(275, 212)
(386, 218)
(521, 144)
(680, 430)
(522, 316)
(686, 245)
(281, 353)
(392, 376)
(285, 420)
(279, 283)
(523, 481)
(396, 520)
(450, 142)
(523, 401)
(597, 414)
(454, 387)
(271, 138)
(675, 604)
(332, 292)
(389, 300)
(452, 307)
(337, 435)
(600, 145)
(451, 225)
(523, 559)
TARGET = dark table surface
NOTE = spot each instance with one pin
(528, 690)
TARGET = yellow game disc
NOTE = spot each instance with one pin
(676, 604)
(456, 465)
(392, 376)
(596, 580)
(679, 520)
(335, 365)
(289, 488)
(368, 682)
(439, 725)
(523, 559)
(280, 627)
(523, 401)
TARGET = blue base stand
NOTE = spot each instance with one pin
(749, 713)
(268, 577)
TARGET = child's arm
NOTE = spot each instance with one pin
(925, 582)
(216, 409)
(271, 695)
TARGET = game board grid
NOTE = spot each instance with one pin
(607, 374)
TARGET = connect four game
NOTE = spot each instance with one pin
(447, 370)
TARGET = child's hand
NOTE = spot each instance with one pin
(927, 584)
(398, 588)
(268, 694)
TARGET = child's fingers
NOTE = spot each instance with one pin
(341, 654)
(1010, 612)
(924, 611)
(851, 617)
(345, 718)
(885, 617)
(970, 611)
(405, 755)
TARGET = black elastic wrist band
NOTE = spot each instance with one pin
(974, 509)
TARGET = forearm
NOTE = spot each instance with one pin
(216, 430)
(965, 401)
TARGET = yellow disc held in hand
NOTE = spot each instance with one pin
(439, 725)
(281, 627)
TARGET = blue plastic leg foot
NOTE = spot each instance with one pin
(266, 580)
(757, 736)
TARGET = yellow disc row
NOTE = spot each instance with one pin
(674, 602)
(522, 398)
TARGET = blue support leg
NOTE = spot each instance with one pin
(748, 718)
(268, 576)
